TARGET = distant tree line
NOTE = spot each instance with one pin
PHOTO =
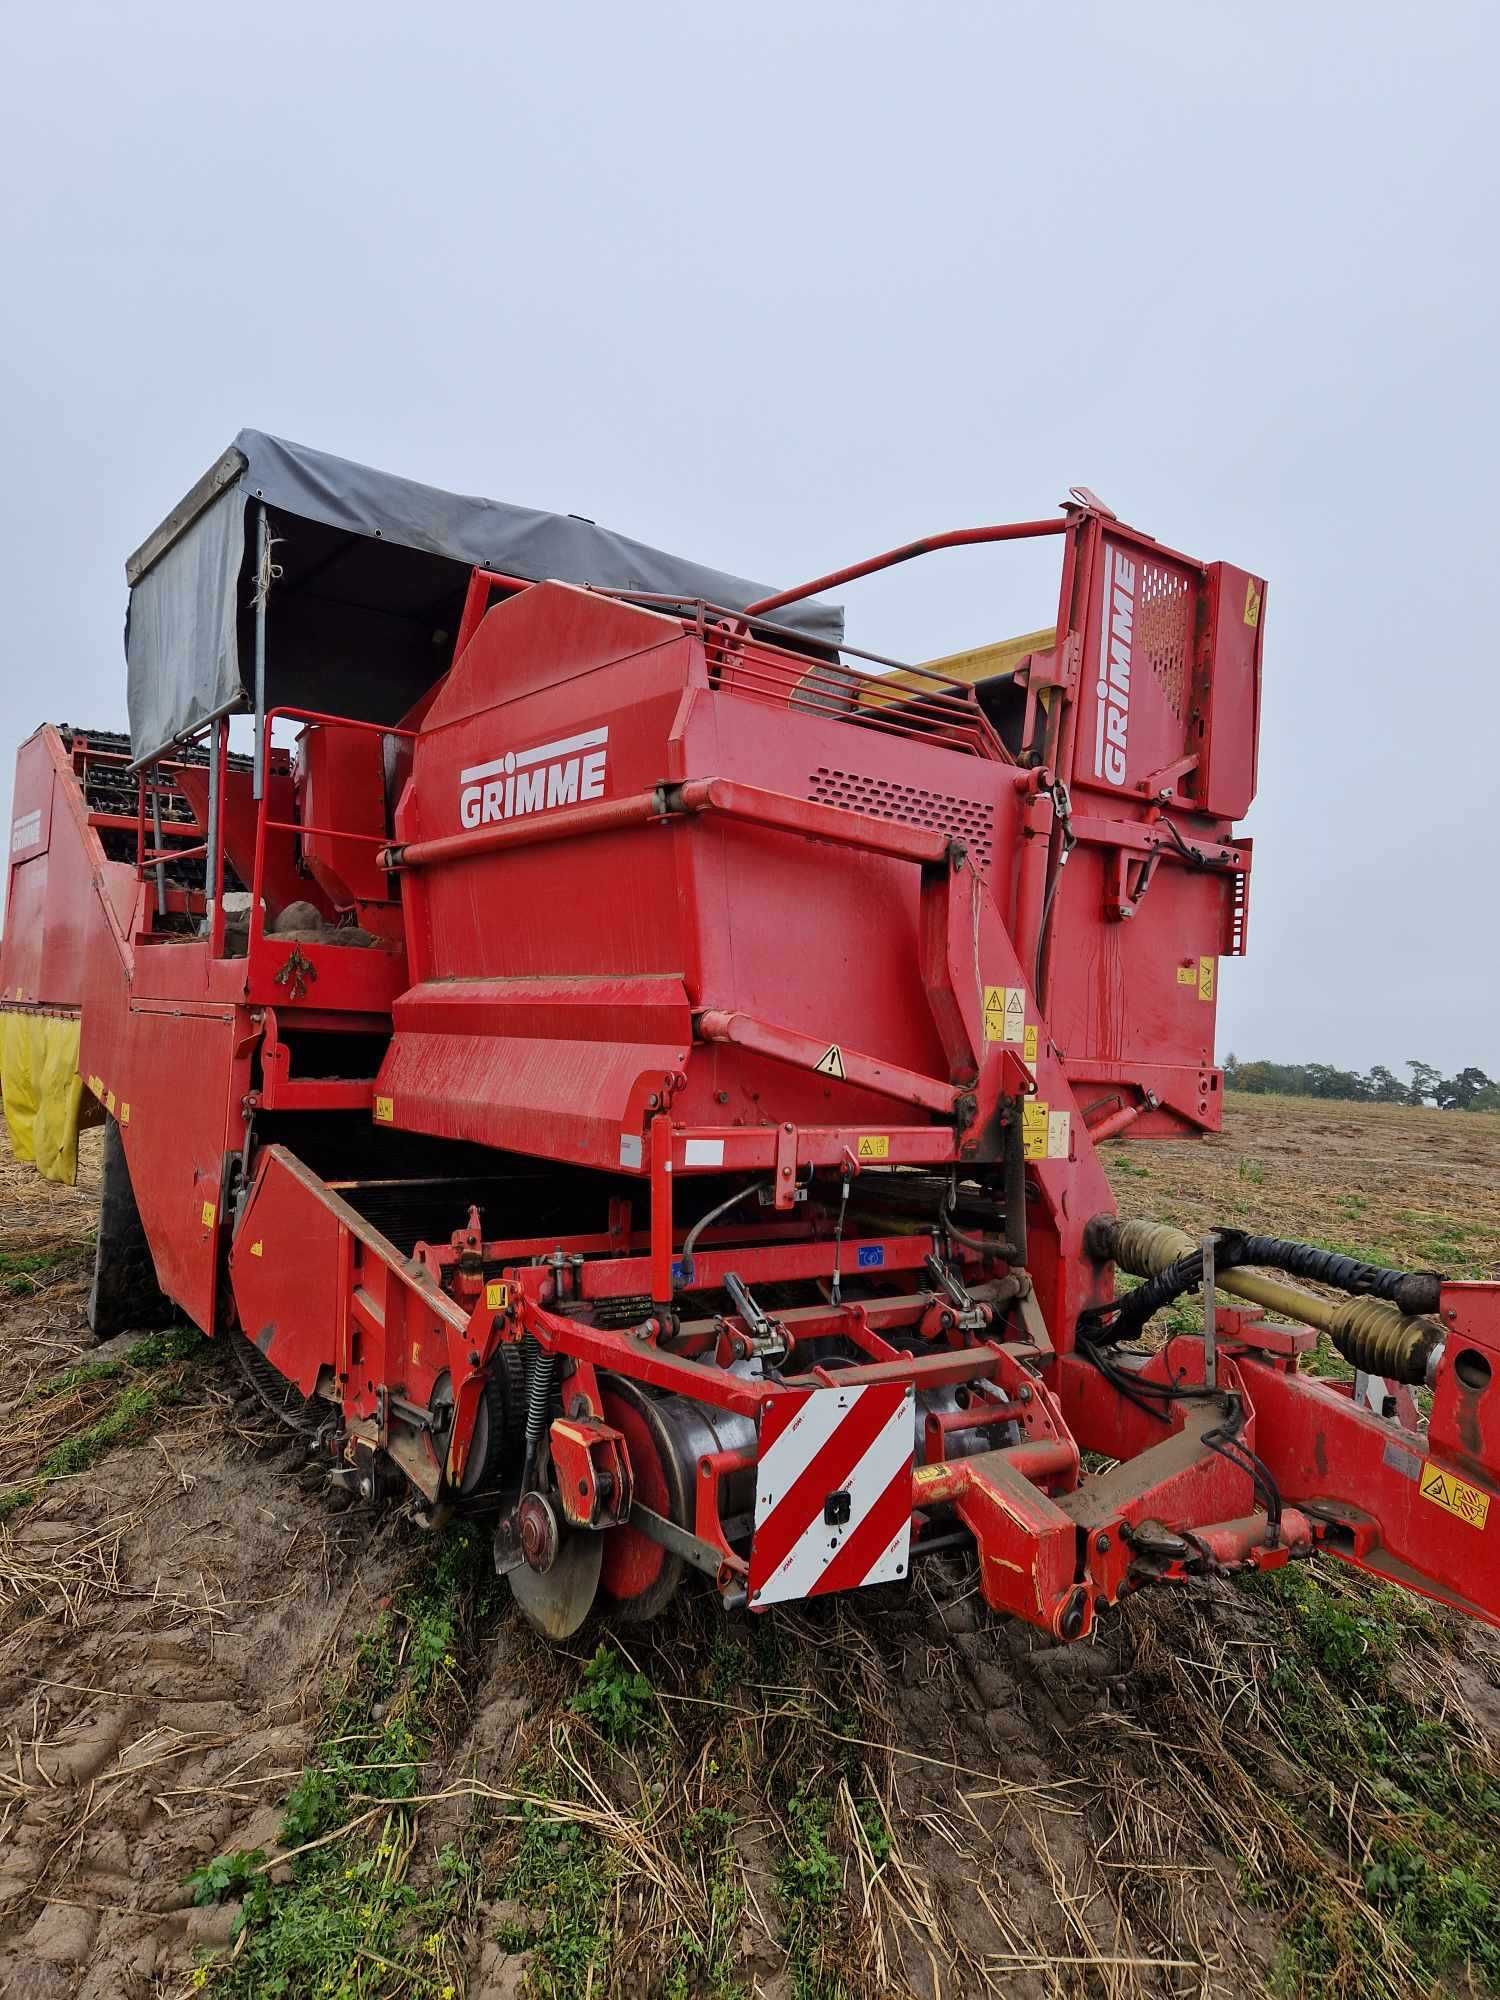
(1470, 1090)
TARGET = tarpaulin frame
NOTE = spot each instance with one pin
(371, 570)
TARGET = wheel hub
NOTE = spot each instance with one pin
(539, 1533)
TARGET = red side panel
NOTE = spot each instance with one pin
(1155, 891)
(1231, 735)
(51, 893)
(175, 1081)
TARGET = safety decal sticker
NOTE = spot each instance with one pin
(257, 1248)
(1028, 1045)
(210, 1214)
(125, 1113)
(873, 1146)
(1187, 975)
(1252, 602)
(496, 1295)
(832, 1491)
(1454, 1495)
(831, 1062)
(1205, 979)
(1045, 1134)
(1034, 1129)
(385, 1110)
(1004, 1013)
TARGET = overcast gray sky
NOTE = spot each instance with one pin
(779, 285)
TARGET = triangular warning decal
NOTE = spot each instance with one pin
(831, 1063)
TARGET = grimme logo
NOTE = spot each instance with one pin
(527, 781)
(1112, 718)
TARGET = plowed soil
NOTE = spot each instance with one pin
(1231, 1789)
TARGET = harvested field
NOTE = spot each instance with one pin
(251, 1745)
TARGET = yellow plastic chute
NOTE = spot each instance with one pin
(42, 1089)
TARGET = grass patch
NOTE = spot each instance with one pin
(23, 1272)
(811, 1881)
(131, 1410)
(565, 1875)
(350, 1924)
(80, 1376)
(1427, 1872)
(150, 1377)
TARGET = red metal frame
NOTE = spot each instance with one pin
(782, 899)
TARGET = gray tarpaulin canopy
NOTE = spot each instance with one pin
(372, 571)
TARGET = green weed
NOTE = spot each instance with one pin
(26, 1271)
(564, 1874)
(226, 1875)
(349, 1925)
(79, 1376)
(615, 1698)
(810, 1877)
(127, 1414)
(173, 1343)
(1432, 1873)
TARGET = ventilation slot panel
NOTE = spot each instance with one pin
(908, 805)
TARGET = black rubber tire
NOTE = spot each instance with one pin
(124, 1295)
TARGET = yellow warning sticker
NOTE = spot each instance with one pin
(1015, 1013)
(125, 1113)
(1058, 1133)
(831, 1062)
(1187, 975)
(1004, 1013)
(1252, 602)
(1034, 1129)
(1205, 979)
(496, 1296)
(1028, 1045)
(109, 1102)
(1454, 1495)
(385, 1110)
(209, 1214)
(873, 1146)
(257, 1248)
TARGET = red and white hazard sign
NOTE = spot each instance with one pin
(832, 1491)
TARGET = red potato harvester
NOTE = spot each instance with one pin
(614, 1056)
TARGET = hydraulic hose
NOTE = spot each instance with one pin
(1377, 1329)
(690, 1241)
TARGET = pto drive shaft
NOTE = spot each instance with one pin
(1370, 1333)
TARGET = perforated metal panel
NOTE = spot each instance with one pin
(1163, 631)
(908, 805)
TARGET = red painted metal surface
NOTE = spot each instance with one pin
(677, 946)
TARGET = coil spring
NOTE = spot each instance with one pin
(541, 1372)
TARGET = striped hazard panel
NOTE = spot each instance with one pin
(832, 1491)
